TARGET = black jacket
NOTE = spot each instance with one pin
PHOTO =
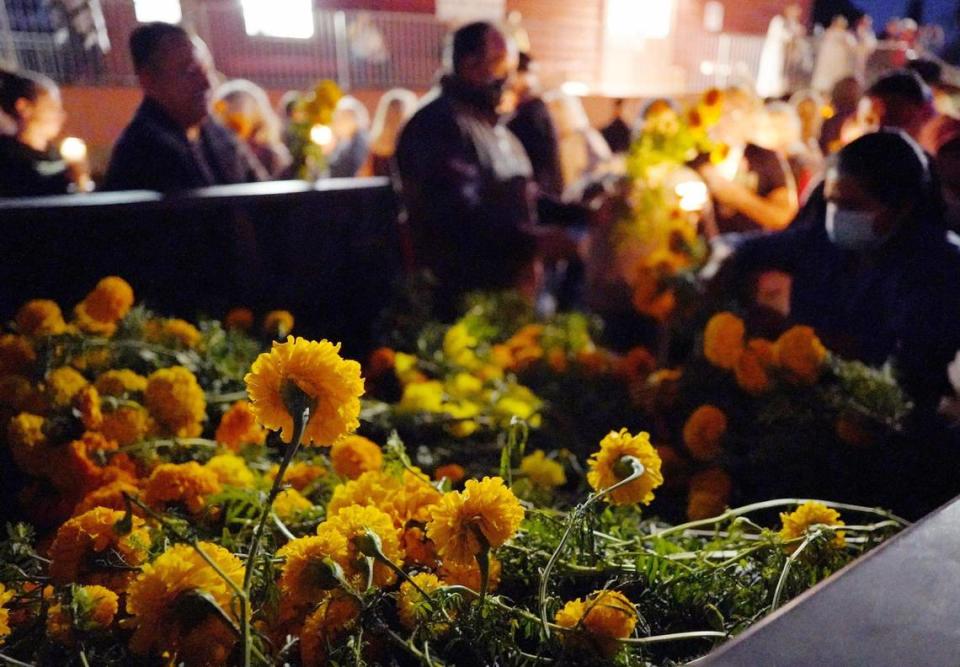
(26, 172)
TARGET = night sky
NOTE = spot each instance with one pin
(935, 11)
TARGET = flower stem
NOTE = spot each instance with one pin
(676, 636)
(791, 559)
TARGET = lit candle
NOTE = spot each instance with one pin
(321, 135)
(73, 150)
(693, 195)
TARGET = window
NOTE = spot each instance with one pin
(640, 19)
(279, 18)
(166, 11)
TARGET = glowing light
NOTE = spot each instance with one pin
(575, 88)
(640, 19)
(279, 18)
(693, 195)
(165, 11)
(321, 135)
(73, 149)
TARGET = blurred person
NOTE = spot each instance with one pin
(811, 108)
(944, 92)
(243, 107)
(836, 57)
(395, 108)
(584, 155)
(532, 125)
(779, 129)
(172, 143)
(866, 44)
(351, 131)
(783, 34)
(29, 165)
(844, 99)
(617, 132)
(752, 187)
(899, 99)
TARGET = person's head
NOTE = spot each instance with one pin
(393, 110)
(174, 70)
(32, 102)
(526, 82)
(809, 106)
(349, 118)
(481, 57)
(778, 128)
(244, 107)
(845, 95)
(878, 185)
(899, 99)
(839, 22)
(740, 108)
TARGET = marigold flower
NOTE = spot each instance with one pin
(87, 403)
(156, 597)
(127, 424)
(109, 302)
(92, 608)
(109, 495)
(332, 618)
(723, 340)
(63, 384)
(801, 354)
(26, 440)
(450, 471)
(354, 455)
(300, 475)
(637, 364)
(796, 524)
(238, 319)
(455, 573)
(485, 511)
(407, 497)
(412, 607)
(650, 298)
(77, 470)
(40, 317)
(518, 401)
(289, 503)
(239, 427)
(353, 523)
(173, 332)
(120, 382)
(417, 546)
(751, 369)
(89, 549)
(604, 615)
(703, 432)
(458, 346)
(543, 472)
(422, 397)
(606, 467)
(709, 494)
(231, 470)
(186, 484)
(304, 578)
(5, 596)
(16, 355)
(176, 401)
(278, 323)
(316, 369)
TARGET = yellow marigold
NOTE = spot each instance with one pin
(752, 368)
(63, 384)
(723, 340)
(40, 317)
(239, 427)
(422, 397)
(86, 541)
(93, 359)
(304, 578)
(27, 442)
(334, 616)
(238, 319)
(231, 470)
(450, 471)
(289, 503)
(404, 498)
(518, 401)
(332, 384)
(458, 346)
(16, 355)
(186, 484)
(127, 424)
(353, 523)
(278, 323)
(109, 495)
(703, 432)
(154, 599)
(797, 523)
(484, 508)
(605, 616)
(801, 354)
(120, 382)
(176, 401)
(454, 573)
(92, 608)
(87, 403)
(5, 596)
(543, 472)
(110, 300)
(412, 607)
(173, 332)
(607, 467)
(709, 494)
(354, 455)
(299, 475)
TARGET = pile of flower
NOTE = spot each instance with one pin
(310, 136)
(181, 520)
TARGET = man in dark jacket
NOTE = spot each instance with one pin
(172, 144)
(466, 182)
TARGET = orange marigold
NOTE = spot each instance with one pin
(16, 355)
(412, 606)
(752, 368)
(239, 427)
(289, 503)
(801, 354)
(608, 467)
(703, 432)
(709, 494)
(278, 323)
(238, 319)
(87, 404)
(5, 597)
(300, 475)
(109, 302)
(605, 616)
(485, 511)
(796, 524)
(128, 424)
(173, 332)
(304, 576)
(62, 385)
(186, 484)
(353, 523)
(27, 442)
(334, 616)
(316, 370)
(109, 495)
(407, 497)
(231, 470)
(354, 455)
(723, 340)
(176, 401)
(91, 608)
(120, 382)
(450, 471)
(40, 317)
(455, 573)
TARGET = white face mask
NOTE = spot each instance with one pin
(851, 230)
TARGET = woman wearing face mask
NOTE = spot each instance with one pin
(28, 165)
